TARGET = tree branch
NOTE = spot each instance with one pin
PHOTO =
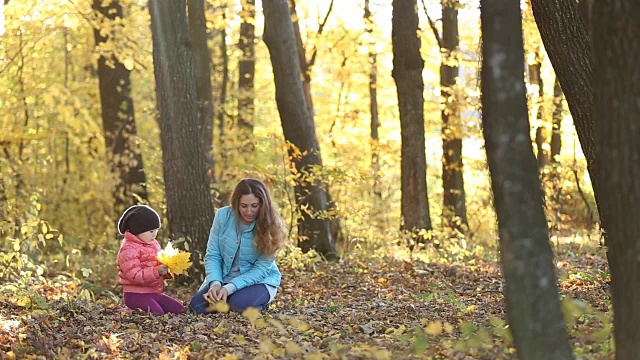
(432, 24)
(320, 30)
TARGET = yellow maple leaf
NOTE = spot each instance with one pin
(176, 260)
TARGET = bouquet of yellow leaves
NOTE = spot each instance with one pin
(176, 260)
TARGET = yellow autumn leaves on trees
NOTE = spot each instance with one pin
(176, 260)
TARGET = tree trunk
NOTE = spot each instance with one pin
(558, 113)
(535, 78)
(533, 306)
(223, 69)
(571, 57)
(189, 207)
(4, 212)
(373, 100)
(585, 8)
(246, 75)
(407, 73)
(617, 84)
(298, 128)
(202, 72)
(305, 70)
(454, 208)
(118, 120)
(302, 59)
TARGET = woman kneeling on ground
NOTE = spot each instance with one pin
(240, 264)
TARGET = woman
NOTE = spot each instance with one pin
(240, 262)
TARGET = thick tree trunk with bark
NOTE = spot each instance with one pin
(617, 84)
(118, 121)
(533, 306)
(189, 206)
(407, 73)
(298, 127)
(585, 7)
(454, 209)
(202, 72)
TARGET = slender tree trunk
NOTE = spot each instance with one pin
(4, 211)
(617, 84)
(454, 209)
(189, 207)
(299, 129)
(535, 78)
(202, 72)
(556, 135)
(302, 59)
(307, 65)
(533, 306)
(224, 86)
(407, 73)
(246, 75)
(373, 100)
(118, 121)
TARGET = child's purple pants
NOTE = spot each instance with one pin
(154, 303)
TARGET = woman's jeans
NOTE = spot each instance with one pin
(153, 303)
(256, 296)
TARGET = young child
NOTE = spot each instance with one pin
(140, 273)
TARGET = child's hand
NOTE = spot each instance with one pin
(162, 269)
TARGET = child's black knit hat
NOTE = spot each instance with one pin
(138, 219)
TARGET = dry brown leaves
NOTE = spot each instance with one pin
(380, 310)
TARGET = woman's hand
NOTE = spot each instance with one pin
(223, 294)
(162, 269)
(213, 294)
(216, 293)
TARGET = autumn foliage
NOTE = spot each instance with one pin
(386, 297)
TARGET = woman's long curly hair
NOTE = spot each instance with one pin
(270, 233)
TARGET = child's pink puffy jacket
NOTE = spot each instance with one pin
(137, 266)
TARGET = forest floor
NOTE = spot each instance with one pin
(361, 310)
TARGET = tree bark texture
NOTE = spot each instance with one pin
(407, 73)
(118, 120)
(202, 72)
(617, 108)
(454, 209)
(189, 208)
(533, 306)
(567, 42)
(298, 128)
